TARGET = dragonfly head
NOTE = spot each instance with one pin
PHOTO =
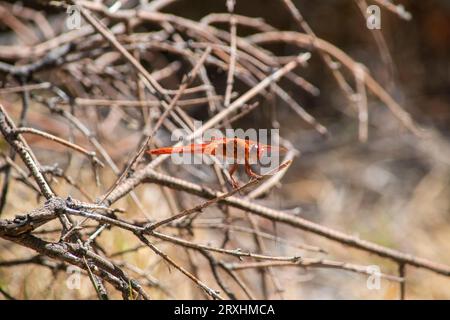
(272, 151)
(258, 150)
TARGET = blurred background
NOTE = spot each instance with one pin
(393, 189)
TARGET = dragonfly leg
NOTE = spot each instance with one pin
(249, 171)
(231, 172)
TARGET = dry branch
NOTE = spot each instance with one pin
(164, 70)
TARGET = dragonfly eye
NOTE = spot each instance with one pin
(259, 151)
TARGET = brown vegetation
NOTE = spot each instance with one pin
(79, 108)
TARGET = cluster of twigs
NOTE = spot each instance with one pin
(107, 82)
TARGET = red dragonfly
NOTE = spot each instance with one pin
(240, 151)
